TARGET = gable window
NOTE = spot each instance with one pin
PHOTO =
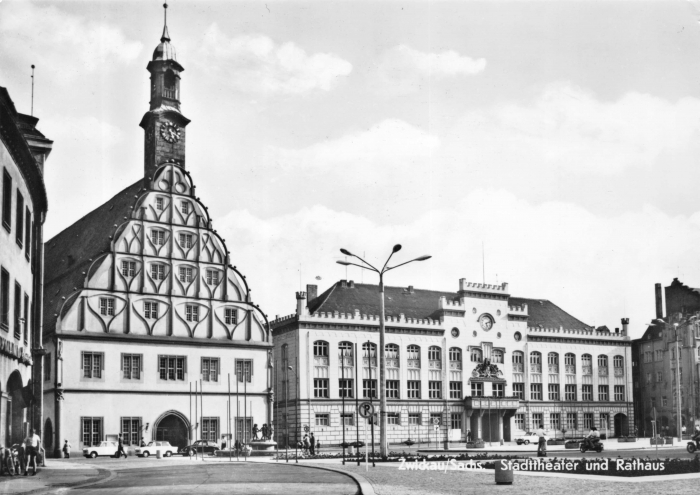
(158, 237)
(7, 201)
(150, 310)
(19, 233)
(186, 274)
(172, 367)
(93, 364)
(213, 277)
(185, 207)
(191, 312)
(157, 271)
(210, 369)
(159, 204)
(128, 268)
(230, 316)
(107, 306)
(185, 240)
(131, 366)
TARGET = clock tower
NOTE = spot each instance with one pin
(164, 124)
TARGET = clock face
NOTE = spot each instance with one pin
(170, 132)
(486, 322)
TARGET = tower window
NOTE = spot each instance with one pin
(170, 85)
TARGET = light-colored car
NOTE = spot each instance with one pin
(104, 448)
(528, 438)
(165, 449)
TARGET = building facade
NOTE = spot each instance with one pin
(480, 362)
(668, 350)
(144, 308)
(23, 152)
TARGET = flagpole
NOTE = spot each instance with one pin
(201, 409)
(230, 437)
(196, 416)
(357, 409)
(238, 415)
(245, 409)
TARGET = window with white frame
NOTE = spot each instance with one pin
(477, 389)
(369, 350)
(320, 348)
(571, 422)
(619, 393)
(535, 391)
(210, 369)
(159, 204)
(497, 356)
(191, 312)
(107, 306)
(602, 361)
(456, 421)
(244, 370)
(553, 389)
(93, 364)
(520, 421)
(158, 237)
(392, 389)
(92, 431)
(186, 240)
(230, 316)
(456, 390)
(517, 357)
(603, 393)
(413, 352)
(321, 388)
(413, 389)
(172, 367)
(347, 388)
(553, 358)
(128, 268)
(476, 355)
(570, 392)
(391, 353)
(618, 362)
(434, 353)
(131, 429)
(212, 277)
(323, 419)
(157, 271)
(150, 310)
(535, 358)
(369, 389)
(587, 421)
(185, 207)
(498, 389)
(392, 418)
(414, 419)
(455, 354)
(186, 274)
(347, 419)
(131, 366)
(519, 390)
(210, 429)
(569, 359)
(555, 421)
(659, 376)
(587, 392)
(434, 389)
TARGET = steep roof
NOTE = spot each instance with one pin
(68, 255)
(345, 298)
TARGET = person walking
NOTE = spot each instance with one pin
(306, 444)
(32, 443)
(66, 449)
(318, 447)
(120, 448)
(541, 442)
(312, 444)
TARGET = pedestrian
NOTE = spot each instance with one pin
(542, 442)
(318, 447)
(312, 444)
(120, 448)
(20, 460)
(31, 443)
(469, 435)
(143, 442)
(66, 449)
(306, 444)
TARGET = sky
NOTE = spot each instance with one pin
(550, 145)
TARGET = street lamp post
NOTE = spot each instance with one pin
(296, 414)
(678, 385)
(383, 446)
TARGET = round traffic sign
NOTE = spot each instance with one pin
(365, 409)
(436, 421)
(306, 428)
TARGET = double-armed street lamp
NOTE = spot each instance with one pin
(383, 446)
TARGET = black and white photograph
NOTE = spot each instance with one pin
(372, 247)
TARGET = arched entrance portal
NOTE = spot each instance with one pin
(620, 424)
(48, 435)
(172, 427)
(14, 429)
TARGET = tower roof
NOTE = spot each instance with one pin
(165, 51)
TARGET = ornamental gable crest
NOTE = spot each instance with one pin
(487, 370)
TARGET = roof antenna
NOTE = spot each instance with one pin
(32, 90)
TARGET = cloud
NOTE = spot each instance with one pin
(257, 64)
(404, 70)
(597, 268)
(61, 44)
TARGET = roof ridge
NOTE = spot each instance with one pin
(329, 292)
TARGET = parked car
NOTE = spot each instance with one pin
(527, 438)
(104, 448)
(165, 449)
(200, 447)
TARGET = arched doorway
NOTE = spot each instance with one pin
(172, 427)
(48, 435)
(14, 429)
(620, 424)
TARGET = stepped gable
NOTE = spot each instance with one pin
(417, 303)
(67, 255)
(546, 314)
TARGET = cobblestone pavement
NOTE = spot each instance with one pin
(388, 480)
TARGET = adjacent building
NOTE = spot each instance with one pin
(668, 350)
(143, 306)
(479, 362)
(23, 152)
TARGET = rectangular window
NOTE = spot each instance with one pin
(158, 237)
(27, 234)
(210, 369)
(569, 392)
(210, 429)
(587, 421)
(93, 364)
(659, 354)
(191, 312)
(128, 268)
(537, 420)
(414, 418)
(519, 390)
(131, 431)
(244, 427)
(157, 272)
(150, 310)
(323, 419)
(7, 201)
(92, 431)
(619, 392)
(392, 419)
(18, 311)
(498, 389)
(535, 391)
(434, 389)
(185, 207)
(244, 370)
(435, 416)
(185, 240)
(172, 367)
(213, 277)
(659, 376)
(347, 419)
(555, 421)
(413, 388)
(159, 204)
(321, 388)
(587, 392)
(603, 393)
(456, 390)
(347, 388)
(107, 306)
(369, 389)
(19, 233)
(664, 401)
(47, 367)
(648, 378)
(4, 299)
(26, 319)
(392, 389)
(520, 421)
(186, 274)
(553, 389)
(477, 389)
(131, 366)
(571, 423)
(230, 316)
(456, 421)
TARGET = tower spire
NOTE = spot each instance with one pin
(166, 36)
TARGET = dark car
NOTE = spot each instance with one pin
(200, 447)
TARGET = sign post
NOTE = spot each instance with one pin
(436, 427)
(366, 410)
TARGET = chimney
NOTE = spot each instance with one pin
(625, 323)
(351, 284)
(311, 292)
(659, 302)
(410, 289)
(302, 310)
(617, 331)
(343, 283)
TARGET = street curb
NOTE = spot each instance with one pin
(363, 484)
(103, 476)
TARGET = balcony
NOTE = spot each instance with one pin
(435, 364)
(170, 93)
(455, 365)
(570, 369)
(536, 368)
(619, 372)
(554, 368)
(518, 367)
(603, 371)
(414, 363)
(587, 370)
(320, 361)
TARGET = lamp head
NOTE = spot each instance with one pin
(396, 248)
(289, 368)
(344, 263)
(345, 252)
(423, 258)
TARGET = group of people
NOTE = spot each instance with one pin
(265, 430)
(25, 457)
(310, 445)
(591, 439)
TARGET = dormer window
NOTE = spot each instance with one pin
(185, 207)
(230, 316)
(159, 204)
(128, 268)
(213, 277)
(192, 312)
(186, 240)
(158, 237)
(107, 306)
(150, 310)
